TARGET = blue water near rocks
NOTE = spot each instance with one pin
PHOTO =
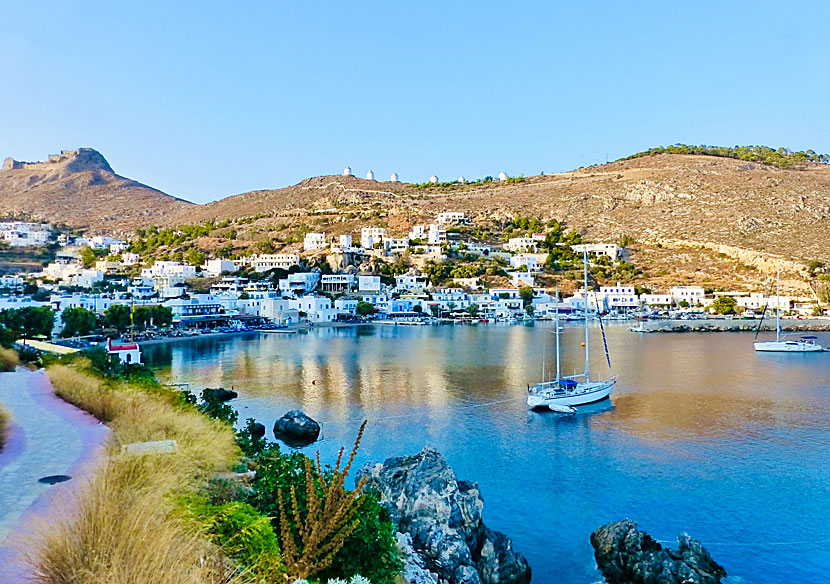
(701, 434)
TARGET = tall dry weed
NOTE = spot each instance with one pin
(5, 422)
(8, 359)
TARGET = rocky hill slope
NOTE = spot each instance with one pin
(80, 189)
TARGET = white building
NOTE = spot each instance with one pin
(609, 250)
(128, 353)
(316, 308)
(410, 282)
(343, 244)
(529, 262)
(657, 300)
(370, 175)
(368, 283)
(106, 242)
(432, 234)
(346, 305)
(452, 218)
(347, 171)
(519, 244)
(337, 283)
(129, 258)
(11, 281)
(396, 245)
(141, 288)
(502, 176)
(217, 267)
(691, 294)
(299, 283)
(372, 236)
(22, 234)
(394, 177)
(264, 262)
(314, 241)
(167, 268)
(229, 286)
(619, 296)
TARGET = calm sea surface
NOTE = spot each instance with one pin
(701, 434)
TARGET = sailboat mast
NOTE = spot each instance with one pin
(557, 333)
(778, 303)
(585, 282)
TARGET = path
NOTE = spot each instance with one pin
(48, 437)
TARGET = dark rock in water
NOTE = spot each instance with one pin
(296, 429)
(54, 479)
(626, 555)
(257, 430)
(219, 394)
(439, 520)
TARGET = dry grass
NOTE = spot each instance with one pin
(123, 528)
(8, 359)
(5, 419)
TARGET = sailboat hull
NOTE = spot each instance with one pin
(788, 347)
(545, 394)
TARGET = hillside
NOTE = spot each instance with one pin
(80, 189)
(689, 200)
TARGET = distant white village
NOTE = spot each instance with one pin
(234, 302)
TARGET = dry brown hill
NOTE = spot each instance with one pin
(80, 189)
(667, 199)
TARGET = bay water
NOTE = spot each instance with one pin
(701, 434)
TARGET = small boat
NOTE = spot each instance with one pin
(561, 409)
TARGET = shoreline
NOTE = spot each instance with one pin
(712, 325)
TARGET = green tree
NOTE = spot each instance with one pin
(526, 294)
(683, 304)
(117, 316)
(78, 322)
(725, 305)
(472, 309)
(194, 257)
(88, 257)
(365, 308)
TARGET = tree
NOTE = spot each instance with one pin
(78, 322)
(526, 294)
(28, 322)
(472, 309)
(88, 257)
(725, 305)
(117, 316)
(418, 308)
(365, 308)
(683, 304)
(194, 257)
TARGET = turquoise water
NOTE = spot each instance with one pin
(701, 434)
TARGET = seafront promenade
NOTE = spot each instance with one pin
(48, 437)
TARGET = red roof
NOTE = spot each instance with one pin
(127, 347)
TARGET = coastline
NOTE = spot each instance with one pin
(713, 325)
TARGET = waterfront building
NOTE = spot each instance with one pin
(11, 281)
(317, 308)
(128, 353)
(264, 262)
(691, 294)
(314, 241)
(657, 300)
(346, 305)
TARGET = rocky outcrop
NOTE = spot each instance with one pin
(219, 394)
(626, 555)
(440, 523)
(296, 429)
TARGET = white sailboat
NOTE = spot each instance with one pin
(562, 393)
(781, 344)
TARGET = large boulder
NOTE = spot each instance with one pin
(296, 429)
(626, 555)
(439, 519)
(219, 394)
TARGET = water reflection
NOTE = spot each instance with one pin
(701, 434)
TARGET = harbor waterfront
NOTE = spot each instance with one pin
(700, 435)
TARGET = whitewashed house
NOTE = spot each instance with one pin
(264, 262)
(128, 353)
(216, 267)
(521, 244)
(452, 218)
(314, 241)
(371, 237)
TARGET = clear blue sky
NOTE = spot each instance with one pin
(207, 99)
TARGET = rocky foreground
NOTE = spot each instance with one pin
(439, 522)
(626, 555)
